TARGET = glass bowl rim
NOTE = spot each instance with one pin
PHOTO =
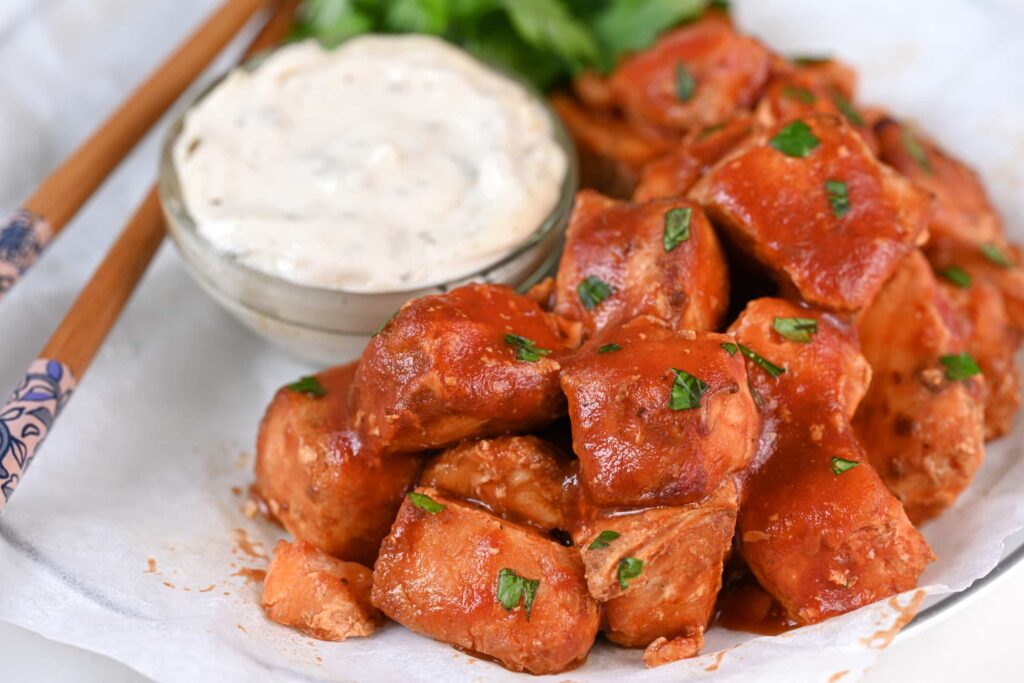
(181, 219)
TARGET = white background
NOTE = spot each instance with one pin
(119, 41)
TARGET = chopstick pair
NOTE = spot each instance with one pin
(26, 232)
(29, 415)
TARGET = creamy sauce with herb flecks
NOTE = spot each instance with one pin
(388, 164)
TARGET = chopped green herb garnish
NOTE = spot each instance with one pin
(771, 368)
(310, 386)
(609, 348)
(795, 140)
(913, 147)
(593, 291)
(800, 330)
(425, 503)
(838, 197)
(995, 254)
(730, 348)
(960, 367)
(526, 349)
(839, 465)
(603, 539)
(385, 323)
(677, 227)
(686, 84)
(846, 107)
(629, 568)
(957, 275)
(686, 391)
(802, 95)
(723, 5)
(811, 60)
(705, 133)
(513, 589)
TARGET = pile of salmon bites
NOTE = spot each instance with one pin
(782, 330)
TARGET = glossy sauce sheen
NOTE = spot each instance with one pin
(634, 450)
(820, 543)
(777, 208)
(438, 575)
(320, 480)
(622, 245)
(388, 164)
(442, 370)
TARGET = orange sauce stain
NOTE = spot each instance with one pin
(236, 490)
(168, 584)
(251, 574)
(719, 656)
(837, 675)
(208, 588)
(241, 628)
(744, 606)
(253, 550)
(151, 563)
(882, 639)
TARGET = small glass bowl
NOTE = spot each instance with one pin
(332, 325)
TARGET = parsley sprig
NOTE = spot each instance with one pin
(513, 589)
(545, 41)
(526, 349)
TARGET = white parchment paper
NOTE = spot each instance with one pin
(128, 536)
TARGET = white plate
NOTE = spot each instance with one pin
(143, 461)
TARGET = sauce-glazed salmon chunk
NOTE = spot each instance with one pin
(454, 572)
(317, 594)
(810, 202)
(478, 361)
(319, 479)
(659, 417)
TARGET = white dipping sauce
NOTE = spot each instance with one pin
(388, 164)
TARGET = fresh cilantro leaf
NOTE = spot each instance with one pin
(730, 348)
(603, 539)
(385, 323)
(310, 386)
(331, 22)
(629, 568)
(547, 25)
(686, 84)
(493, 39)
(707, 132)
(913, 147)
(960, 367)
(957, 275)
(995, 254)
(677, 227)
(848, 110)
(686, 391)
(526, 349)
(513, 589)
(795, 140)
(593, 291)
(425, 503)
(630, 25)
(771, 368)
(839, 465)
(838, 197)
(609, 348)
(418, 16)
(811, 60)
(802, 95)
(800, 330)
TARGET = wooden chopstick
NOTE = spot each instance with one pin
(29, 415)
(27, 231)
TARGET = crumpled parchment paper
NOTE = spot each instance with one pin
(128, 536)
